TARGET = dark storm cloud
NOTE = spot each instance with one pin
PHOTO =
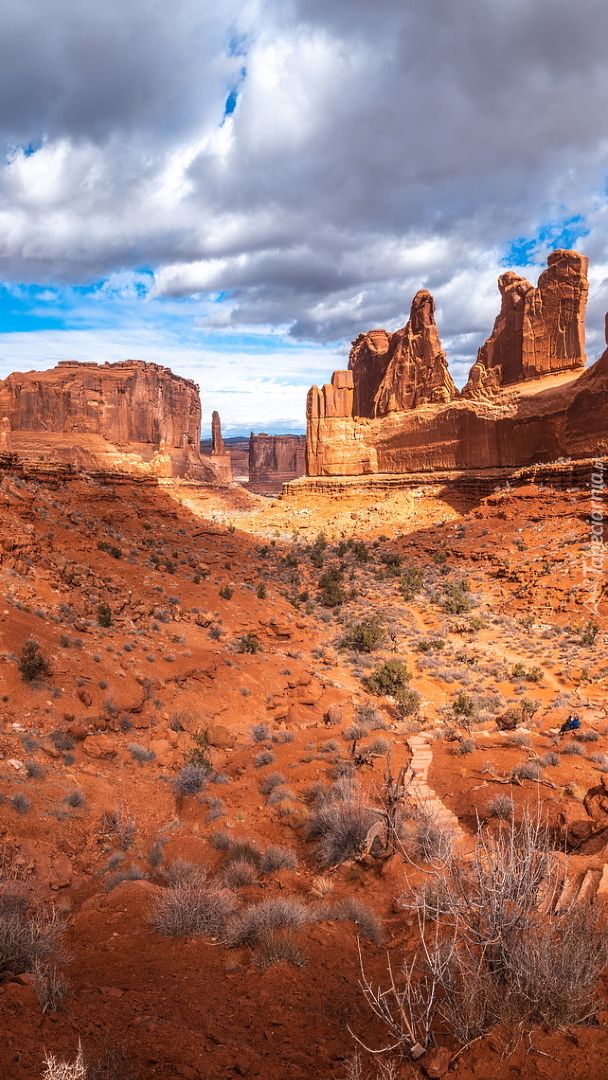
(373, 148)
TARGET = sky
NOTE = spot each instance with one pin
(238, 189)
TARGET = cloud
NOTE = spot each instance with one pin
(303, 165)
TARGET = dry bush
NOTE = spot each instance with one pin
(31, 934)
(275, 945)
(342, 827)
(495, 949)
(63, 1070)
(277, 857)
(238, 873)
(190, 910)
(501, 807)
(274, 779)
(121, 824)
(353, 910)
(247, 928)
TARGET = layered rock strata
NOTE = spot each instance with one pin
(130, 416)
(527, 400)
(275, 459)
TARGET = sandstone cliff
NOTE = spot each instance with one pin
(131, 416)
(274, 459)
(220, 456)
(527, 399)
(538, 330)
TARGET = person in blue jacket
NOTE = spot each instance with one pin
(571, 724)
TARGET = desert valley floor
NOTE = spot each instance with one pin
(207, 683)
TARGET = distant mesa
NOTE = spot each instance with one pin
(130, 417)
(527, 400)
(275, 459)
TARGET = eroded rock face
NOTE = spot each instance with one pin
(417, 369)
(220, 456)
(274, 459)
(538, 331)
(397, 410)
(131, 416)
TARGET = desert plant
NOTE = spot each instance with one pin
(120, 823)
(365, 636)
(140, 754)
(276, 858)
(55, 1069)
(501, 807)
(104, 615)
(527, 770)
(342, 827)
(254, 921)
(227, 592)
(354, 910)
(32, 663)
(388, 678)
(274, 945)
(238, 873)
(331, 591)
(260, 732)
(249, 643)
(272, 780)
(75, 799)
(265, 757)
(189, 781)
(193, 910)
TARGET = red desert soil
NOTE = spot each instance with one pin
(91, 753)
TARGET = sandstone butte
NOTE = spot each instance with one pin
(528, 399)
(274, 460)
(130, 417)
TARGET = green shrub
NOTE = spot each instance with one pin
(104, 615)
(249, 643)
(261, 592)
(111, 549)
(413, 580)
(332, 593)
(226, 592)
(32, 663)
(364, 636)
(388, 678)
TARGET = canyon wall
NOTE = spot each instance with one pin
(527, 399)
(130, 416)
(274, 459)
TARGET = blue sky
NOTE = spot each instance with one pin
(239, 191)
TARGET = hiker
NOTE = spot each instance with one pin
(571, 724)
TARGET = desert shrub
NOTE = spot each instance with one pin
(216, 808)
(277, 857)
(276, 945)
(342, 827)
(455, 600)
(260, 732)
(331, 590)
(55, 1069)
(265, 757)
(140, 754)
(589, 632)
(283, 737)
(243, 850)
(104, 615)
(527, 770)
(408, 702)
(519, 739)
(280, 794)
(432, 842)
(412, 581)
(586, 735)
(388, 678)
(261, 592)
(550, 758)
(238, 873)
(34, 770)
(200, 754)
(572, 748)
(379, 746)
(430, 645)
(110, 549)
(499, 950)
(32, 663)
(132, 873)
(365, 636)
(220, 840)
(501, 807)
(355, 731)
(121, 824)
(247, 927)
(356, 911)
(192, 910)
(189, 781)
(271, 781)
(31, 934)
(62, 740)
(227, 592)
(463, 705)
(21, 803)
(75, 799)
(464, 746)
(249, 643)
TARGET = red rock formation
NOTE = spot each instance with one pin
(538, 331)
(130, 416)
(220, 456)
(368, 362)
(524, 403)
(417, 370)
(274, 459)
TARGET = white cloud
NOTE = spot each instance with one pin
(374, 149)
